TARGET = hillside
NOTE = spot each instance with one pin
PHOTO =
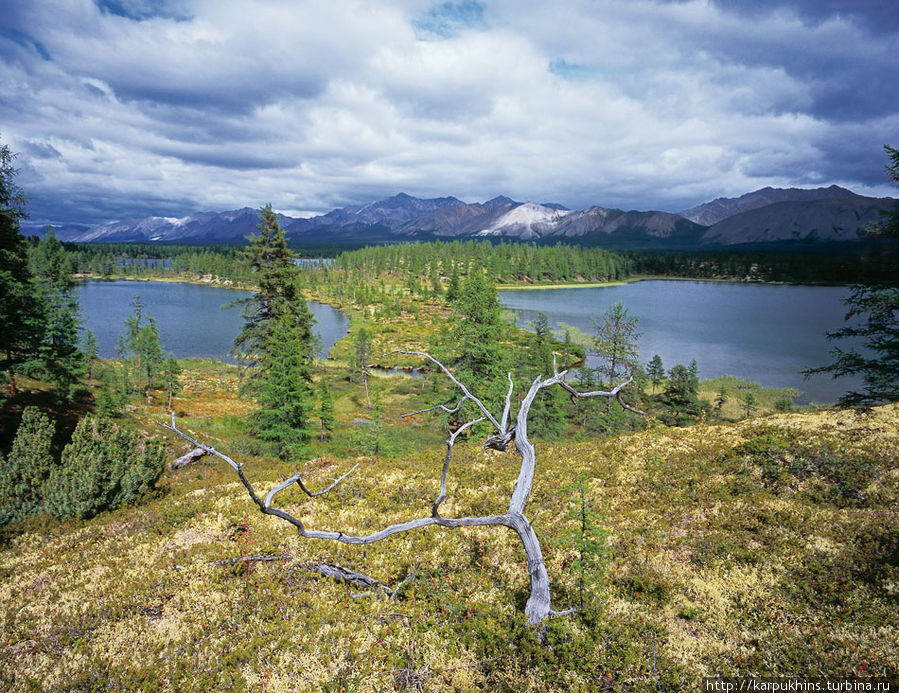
(837, 220)
(765, 547)
(719, 209)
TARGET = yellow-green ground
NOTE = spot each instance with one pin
(766, 547)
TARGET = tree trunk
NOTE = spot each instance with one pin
(538, 604)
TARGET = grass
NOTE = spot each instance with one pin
(765, 547)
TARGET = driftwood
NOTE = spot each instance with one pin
(185, 460)
(538, 604)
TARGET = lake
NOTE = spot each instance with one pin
(760, 332)
(191, 318)
(764, 333)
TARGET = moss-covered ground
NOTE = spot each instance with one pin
(768, 547)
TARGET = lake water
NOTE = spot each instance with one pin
(759, 332)
(191, 318)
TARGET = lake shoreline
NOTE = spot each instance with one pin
(648, 277)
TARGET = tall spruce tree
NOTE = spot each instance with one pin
(283, 390)
(878, 361)
(19, 321)
(277, 345)
(24, 473)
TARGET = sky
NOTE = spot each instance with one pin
(120, 109)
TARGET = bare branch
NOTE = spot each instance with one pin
(437, 406)
(449, 375)
(325, 490)
(449, 453)
(508, 406)
(298, 479)
(405, 581)
(538, 604)
(614, 392)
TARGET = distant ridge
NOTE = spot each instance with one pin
(769, 215)
(723, 207)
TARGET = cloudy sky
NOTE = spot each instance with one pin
(128, 108)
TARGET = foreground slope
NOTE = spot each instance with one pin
(766, 547)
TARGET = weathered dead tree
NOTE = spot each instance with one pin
(188, 458)
(538, 605)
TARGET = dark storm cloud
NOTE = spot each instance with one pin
(122, 108)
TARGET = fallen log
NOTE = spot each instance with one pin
(185, 460)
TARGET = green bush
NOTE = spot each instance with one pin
(28, 466)
(105, 466)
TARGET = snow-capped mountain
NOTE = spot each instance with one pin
(765, 216)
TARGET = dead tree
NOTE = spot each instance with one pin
(538, 605)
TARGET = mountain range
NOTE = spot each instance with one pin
(769, 215)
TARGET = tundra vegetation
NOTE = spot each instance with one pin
(716, 545)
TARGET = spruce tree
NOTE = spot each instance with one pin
(283, 390)
(681, 395)
(273, 270)
(24, 473)
(277, 346)
(105, 466)
(875, 310)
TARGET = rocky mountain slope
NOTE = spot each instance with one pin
(764, 216)
(711, 213)
(841, 219)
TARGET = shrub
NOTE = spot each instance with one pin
(105, 466)
(28, 466)
(784, 404)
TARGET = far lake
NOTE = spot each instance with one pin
(192, 319)
(760, 332)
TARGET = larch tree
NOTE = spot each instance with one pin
(58, 355)
(20, 323)
(873, 318)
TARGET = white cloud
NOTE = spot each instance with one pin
(313, 105)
